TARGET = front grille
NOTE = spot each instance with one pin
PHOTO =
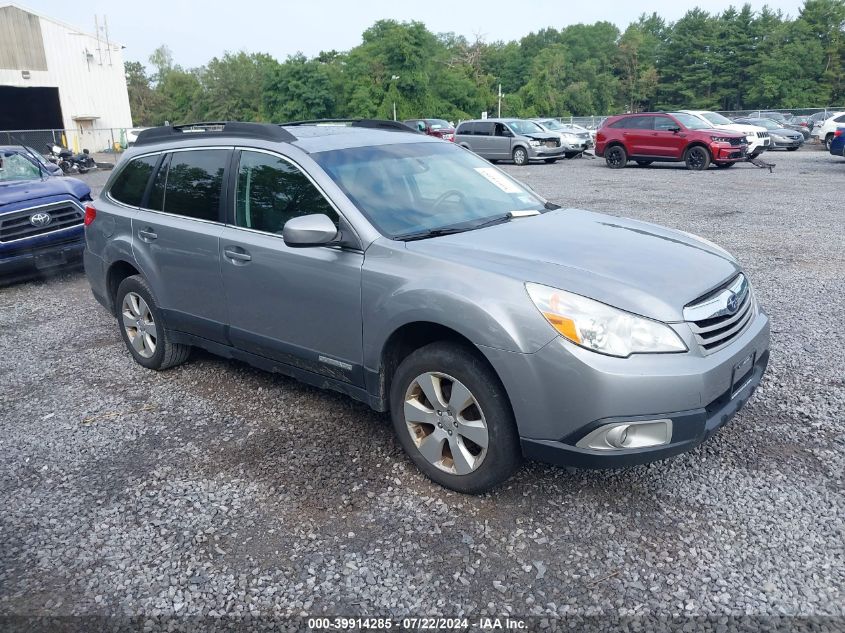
(18, 225)
(551, 143)
(762, 134)
(737, 141)
(717, 330)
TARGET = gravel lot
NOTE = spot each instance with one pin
(214, 488)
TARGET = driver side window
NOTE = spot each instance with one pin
(664, 124)
(502, 130)
(270, 191)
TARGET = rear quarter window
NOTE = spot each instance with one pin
(131, 182)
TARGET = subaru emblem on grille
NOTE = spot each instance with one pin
(733, 303)
(40, 219)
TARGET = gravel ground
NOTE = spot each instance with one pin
(214, 488)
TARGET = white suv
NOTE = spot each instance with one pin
(756, 136)
(825, 130)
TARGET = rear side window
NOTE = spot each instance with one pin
(156, 199)
(130, 184)
(840, 119)
(195, 182)
(633, 123)
(466, 128)
(484, 128)
(271, 191)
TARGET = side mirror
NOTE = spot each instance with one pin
(675, 129)
(309, 230)
(507, 133)
(421, 126)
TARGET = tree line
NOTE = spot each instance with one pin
(737, 59)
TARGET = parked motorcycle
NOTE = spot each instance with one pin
(69, 162)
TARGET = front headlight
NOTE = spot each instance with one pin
(600, 327)
(721, 139)
(534, 143)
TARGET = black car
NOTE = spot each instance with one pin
(782, 137)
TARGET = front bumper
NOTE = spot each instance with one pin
(724, 153)
(25, 261)
(562, 392)
(541, 152)
(787, 144)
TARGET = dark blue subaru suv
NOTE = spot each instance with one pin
(41, 216)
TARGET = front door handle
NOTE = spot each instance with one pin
(237, 254)
(147, 234)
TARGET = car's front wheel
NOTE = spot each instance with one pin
(141, 326)
(616, 157)
(520, 156)
(453, 418)
(697, 158)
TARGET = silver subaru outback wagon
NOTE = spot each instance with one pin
(414, 276)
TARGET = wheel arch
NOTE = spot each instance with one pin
(405, 340)
(118, 271)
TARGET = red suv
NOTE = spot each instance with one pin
(433, 127)
(667, 136)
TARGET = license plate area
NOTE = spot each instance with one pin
(50, 260)
(741, 374)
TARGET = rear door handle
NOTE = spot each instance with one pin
(237, 254)
(147, 234)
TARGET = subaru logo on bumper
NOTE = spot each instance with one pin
(733, 303)
(40, 219)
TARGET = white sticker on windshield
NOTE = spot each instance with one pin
(497, 178)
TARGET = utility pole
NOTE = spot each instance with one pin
(500, 101)
(393, 79)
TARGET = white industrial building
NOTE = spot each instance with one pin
(54, 76)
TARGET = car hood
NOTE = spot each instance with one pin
(23, 190)
(787, 132)
(543, 136)
(741, 127)
(636, 266)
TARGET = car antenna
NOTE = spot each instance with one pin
(41, 171)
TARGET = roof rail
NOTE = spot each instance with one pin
(211, 129)
(375, 124)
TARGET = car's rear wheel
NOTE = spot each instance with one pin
(697, 158)
(644, 163)
(452, 416)
(827, 141)
(520, 156)
(616, 157)
(724, 165)
(142, 328)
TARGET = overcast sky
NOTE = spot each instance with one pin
(196, 31)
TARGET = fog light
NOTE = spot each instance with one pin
(625, 435)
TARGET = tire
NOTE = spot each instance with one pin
(136, 304)
(440, 367)
(644, 163)
(550, 161)
(697, 158)
(520, 156)
(827, 141)
(616, 157)
(724, 165)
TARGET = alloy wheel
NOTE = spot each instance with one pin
(139, 324)
(614, 156)
(519, 157)
(446, 423)
(696, 158)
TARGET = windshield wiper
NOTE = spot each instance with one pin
(424, 235)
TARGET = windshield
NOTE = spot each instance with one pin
(17, 167)
(413, 187)
(524, 127)
(551, 124)
(766, 123)
(716, 119)
(691, 122)
(438, 124)
(775, 116)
